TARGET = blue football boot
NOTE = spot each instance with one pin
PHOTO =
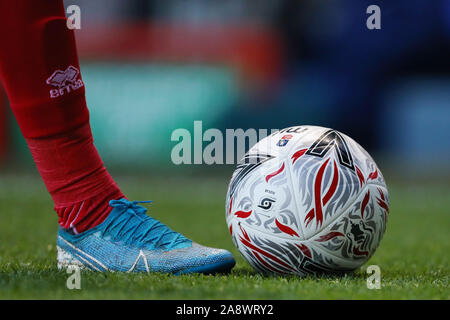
(131, 241)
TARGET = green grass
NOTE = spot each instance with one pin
(413, 255)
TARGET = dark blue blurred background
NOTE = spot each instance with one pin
(154, 66)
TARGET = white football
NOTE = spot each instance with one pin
(307, 200)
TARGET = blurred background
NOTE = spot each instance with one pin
(151, 67)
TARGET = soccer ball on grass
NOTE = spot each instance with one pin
(307, 200)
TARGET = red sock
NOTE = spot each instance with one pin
(75, 177)
(40, 72)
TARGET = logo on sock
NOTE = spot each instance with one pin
(66, 81)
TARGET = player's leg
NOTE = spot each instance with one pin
(40, 72)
